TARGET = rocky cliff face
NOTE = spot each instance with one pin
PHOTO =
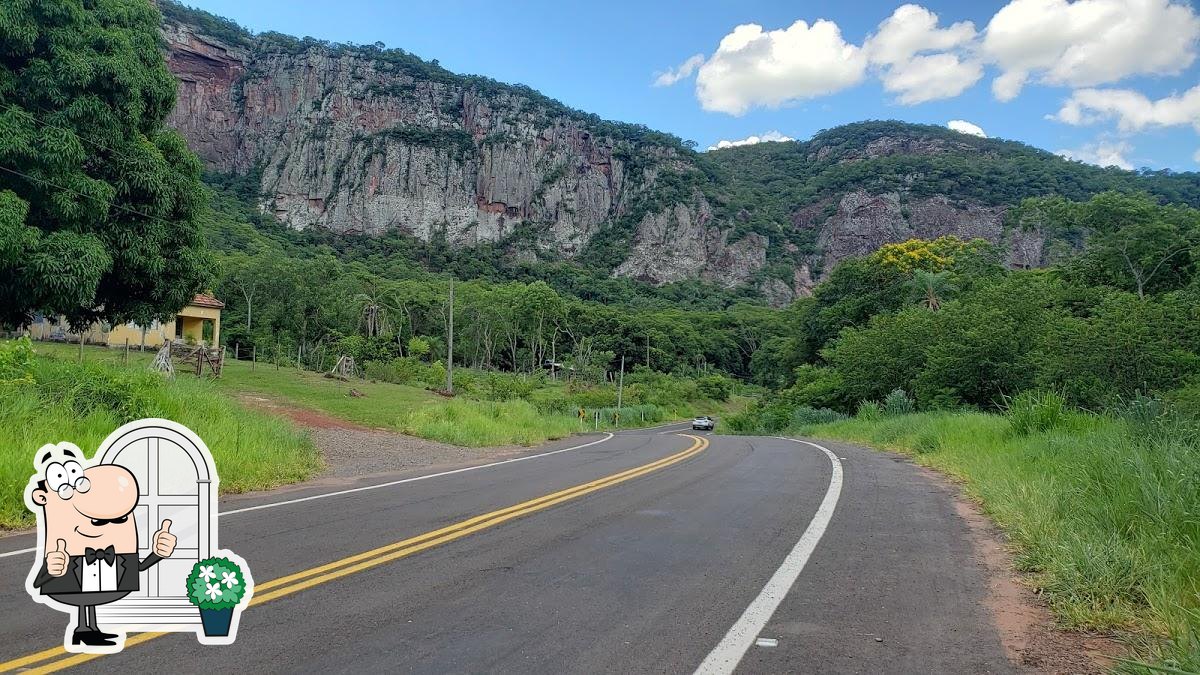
(360, 140)
(863, 222)
(358, 145)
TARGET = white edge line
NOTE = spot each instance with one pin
(414, 479)
(725, 657)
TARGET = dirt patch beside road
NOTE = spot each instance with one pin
(305, 417)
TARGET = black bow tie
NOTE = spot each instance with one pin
(107, 554)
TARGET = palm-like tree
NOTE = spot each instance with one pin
(373, 310)
(930, 289)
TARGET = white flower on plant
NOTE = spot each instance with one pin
(229, 579)
(213, 591)
(207, 573)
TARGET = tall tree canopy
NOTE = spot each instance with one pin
(98, 200)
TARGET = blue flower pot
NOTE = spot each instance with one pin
(216, 621)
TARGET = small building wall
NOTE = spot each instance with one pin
(191, 319)
(189, 323)
(156, 335)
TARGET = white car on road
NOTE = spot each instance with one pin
(703, 423)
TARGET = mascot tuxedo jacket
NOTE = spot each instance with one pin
(128, 567)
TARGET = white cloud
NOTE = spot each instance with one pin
(753, 67)
(769, 137)
(1132, 110)
(900, 49)
(1102, 153)
(929, 78)
(965, 127)
(1075, 43)
(1196, 157)
(1088, 42)
(672, 75)
(912, 30)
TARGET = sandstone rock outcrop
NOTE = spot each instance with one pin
(359, 140)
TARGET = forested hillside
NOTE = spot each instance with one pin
(362, 139)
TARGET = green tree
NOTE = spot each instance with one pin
(98, 200)
(930, 289)
(1133, 242)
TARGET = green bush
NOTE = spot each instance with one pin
(898, 402)
(745, 422)
(435, 375)
(465, 381)
(715, 387)
(552, 402)
(402, 370)
(1036, 411)
(506, 386)
(16, 362)
(805, 416)
(483, 423)
(418, 347)
(869, 410)
(592, 397)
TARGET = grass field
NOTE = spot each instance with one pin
(1105, 514)
(406, 409)
(83, 403)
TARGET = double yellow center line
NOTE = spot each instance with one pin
(57, 658)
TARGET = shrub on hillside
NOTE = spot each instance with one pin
(497, 386)
(806, 416)
(16, 362)
(869, 411)
(715, 387)
(552, 402)
(745, 422)
(591, 397)
(465, 381)
(400, 370)
(481, 423)
(435, 375)
(1035, 411)
(898, 402)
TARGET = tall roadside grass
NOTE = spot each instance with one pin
(481, 423)
(1104, 511)
(475, 424)
(56, 400)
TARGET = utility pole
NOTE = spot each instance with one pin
(450, 344)
(647, 350)
(621, 384)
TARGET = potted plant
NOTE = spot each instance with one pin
(216, 586)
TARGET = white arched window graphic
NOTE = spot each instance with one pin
(176, 481)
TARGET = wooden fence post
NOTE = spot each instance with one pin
(254, 358)
(126, 351)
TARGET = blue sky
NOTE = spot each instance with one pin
(1127, 65)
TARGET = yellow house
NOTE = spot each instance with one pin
(199, 322)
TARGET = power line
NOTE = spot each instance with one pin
(18, 109)
(114, 205)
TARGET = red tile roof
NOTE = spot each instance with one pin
(206, 300)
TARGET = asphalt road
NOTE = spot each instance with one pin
(660, 569)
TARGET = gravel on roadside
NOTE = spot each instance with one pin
(351, 453)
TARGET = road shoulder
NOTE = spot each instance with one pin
(1028, 632)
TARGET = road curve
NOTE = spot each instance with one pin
(645, 573)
